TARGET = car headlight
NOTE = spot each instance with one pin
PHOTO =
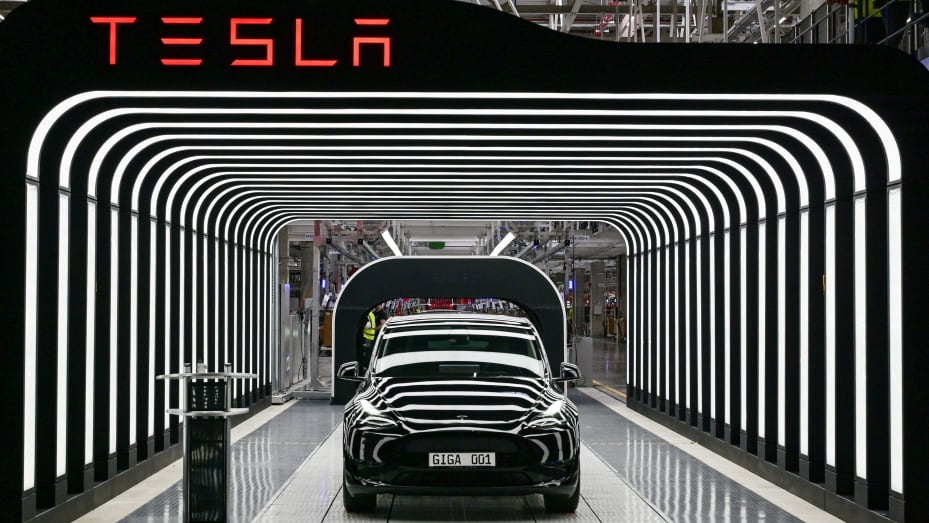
(374, 416)
(549, 417)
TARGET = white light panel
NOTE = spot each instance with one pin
(743, 333)
(114, 322)
(861, 342)
(711, 290)
(89, 365)
(389, 240)
(31, 334)
(688, 328)
(133, 327)
(781, 330)
(829, 282)
(152, 287)
(500, 246)
(698, 246)
(166, 285)
(804, 333)
(667, 323)
(895, 319)
(762, 328)
(727, 331)
(61, 426)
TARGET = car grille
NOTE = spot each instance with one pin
(413, 450)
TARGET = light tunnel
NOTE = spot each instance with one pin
(774, 223)
(755, 229)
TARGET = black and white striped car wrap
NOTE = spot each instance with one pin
(394, 422)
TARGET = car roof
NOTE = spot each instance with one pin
(457, 318)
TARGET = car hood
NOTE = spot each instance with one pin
(470, 403)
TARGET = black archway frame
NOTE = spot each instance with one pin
(502, 277)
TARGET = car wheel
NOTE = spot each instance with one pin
(359, 503)
(562, 504)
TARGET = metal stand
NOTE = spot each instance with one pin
(313, 371)
(207, 399)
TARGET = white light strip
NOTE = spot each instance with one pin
(152, 324)
(698, 247)
(195, 306)
(503, 243)
(205, 307)
(867, 114)
(649, 334)
(630, 301)
(667, 323)
(220, 248)
(762, 328)
(711, 290)
(91, 334)
(166, 285)
(678, 320)
(114, 321)
(687, 326)
(389, 240)
(133, 327)
(31, 333)
(804, 333)
(182, 307)
(781, 330)
(895, 319)
(689, 163)
(121, 135)
(743, 333)
(829, 282)
(61, 426)
(727, 331)
(658, 343)
(861, 342)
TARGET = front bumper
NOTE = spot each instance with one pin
(559, 479)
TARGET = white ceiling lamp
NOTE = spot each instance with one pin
(503, 243)
(389, 240)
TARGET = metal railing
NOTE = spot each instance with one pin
(898, 23)
(827, 24)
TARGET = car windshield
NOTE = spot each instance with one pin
(458, 353)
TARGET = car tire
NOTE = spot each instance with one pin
(359, 503)
(564, 504)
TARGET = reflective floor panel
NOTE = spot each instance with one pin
(290, 470)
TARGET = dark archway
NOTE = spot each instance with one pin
(506, 278)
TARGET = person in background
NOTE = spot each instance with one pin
(380, 316)
(368, 332)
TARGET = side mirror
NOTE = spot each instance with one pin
(569, 372)
(349, 371)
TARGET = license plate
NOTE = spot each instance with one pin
(462, 459)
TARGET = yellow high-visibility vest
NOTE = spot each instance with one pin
(368, 331)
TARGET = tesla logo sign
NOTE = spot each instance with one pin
(184, 49)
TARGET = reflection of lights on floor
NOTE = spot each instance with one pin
(611, 389)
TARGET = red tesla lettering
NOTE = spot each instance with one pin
(372, 21)
(298, 52)
(113, 21)
(266, 42)
(358, 41)
(177, 20)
